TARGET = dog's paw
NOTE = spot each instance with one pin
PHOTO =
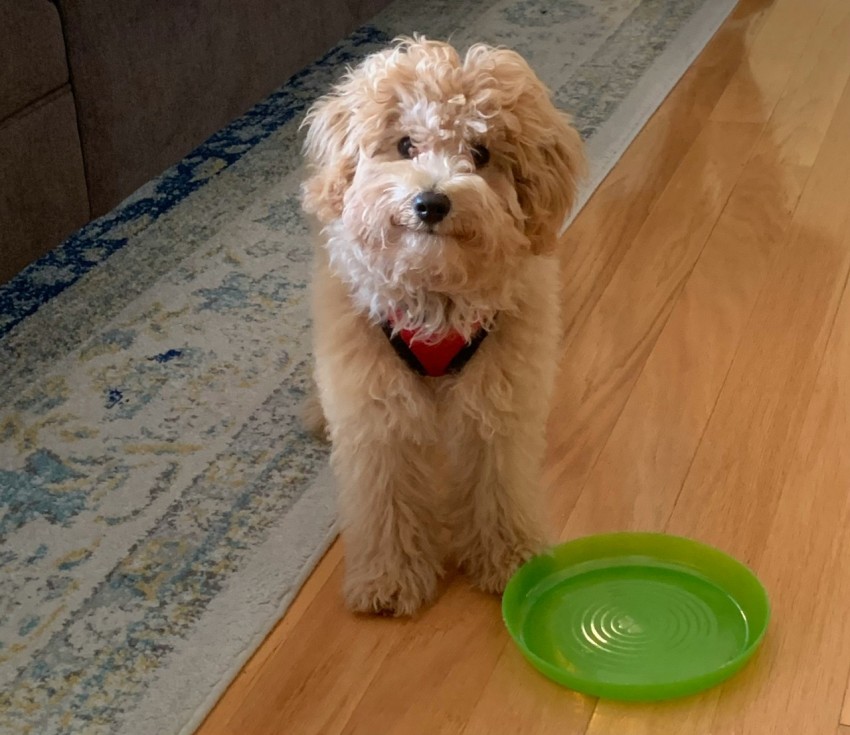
(493, 561)
(400, 592)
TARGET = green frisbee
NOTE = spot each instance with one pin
(636, 616)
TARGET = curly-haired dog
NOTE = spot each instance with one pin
(440, 183)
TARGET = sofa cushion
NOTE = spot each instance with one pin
(152, 80)
(32, 53)
(42, 186)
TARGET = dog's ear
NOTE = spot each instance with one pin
(546, 152)
(547, 176)
(331, 154)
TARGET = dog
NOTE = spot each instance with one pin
(439, 183)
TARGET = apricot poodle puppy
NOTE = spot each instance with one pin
(440, 183)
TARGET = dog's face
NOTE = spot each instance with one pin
(434, 175)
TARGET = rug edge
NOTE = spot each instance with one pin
(313, 515)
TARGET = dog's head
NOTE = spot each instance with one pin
(433, 175)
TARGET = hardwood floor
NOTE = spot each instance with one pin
(704, 390)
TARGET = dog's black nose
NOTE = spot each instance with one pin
(431, 207)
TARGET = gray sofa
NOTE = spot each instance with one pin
(99, 96)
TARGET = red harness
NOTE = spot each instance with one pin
(434, 359)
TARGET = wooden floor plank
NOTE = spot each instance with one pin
(642, 467)
(845, 706)
(517, 701)
(452, 644)
(770, 63)
(606, 357)
(797, 684)
(748, 452)
(749, 442)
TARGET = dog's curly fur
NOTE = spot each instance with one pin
(432, 469)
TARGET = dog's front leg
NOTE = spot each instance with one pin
(380, 418)
(495, 504)
(388, 512)
(498, 409)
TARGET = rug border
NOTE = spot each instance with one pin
(616, 133)
(201, 654)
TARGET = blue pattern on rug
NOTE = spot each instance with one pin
(151, 370)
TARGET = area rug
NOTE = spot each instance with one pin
(159, 503)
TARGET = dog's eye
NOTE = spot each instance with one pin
(405, 147)
(480, 155)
